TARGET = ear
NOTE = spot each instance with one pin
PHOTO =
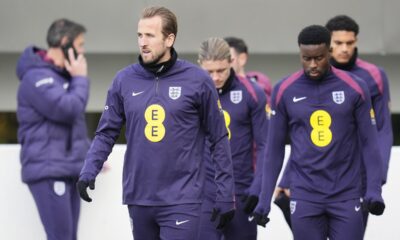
(242, 59)
(64, 40)
(170, 40)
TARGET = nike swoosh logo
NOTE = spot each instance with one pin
(251, 218)
(181, 222)
(136, 93)
(298, 99)
(357, 208)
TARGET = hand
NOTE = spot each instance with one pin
(76, 66)
(261, 219)
(224, 218)
(279, 190)
(82, 186)
(376, 208)
(250, 203)
(283, 202)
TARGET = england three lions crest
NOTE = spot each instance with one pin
(236, 96)
(338, 97)
(175, 92)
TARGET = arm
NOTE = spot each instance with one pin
(51, 100)
(213, 121)
(275, 152)
(371, 156)
(384, 124)
(107, 133)
(259, 123)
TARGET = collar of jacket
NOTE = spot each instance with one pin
(160, 68)
(228, 83)
(346, 66)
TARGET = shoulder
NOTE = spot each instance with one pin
(284, 84)
(352, 81)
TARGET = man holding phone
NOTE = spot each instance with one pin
(52, 98)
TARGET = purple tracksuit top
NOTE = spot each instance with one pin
(52, 129)
(167, 118)
(332, 129)
(378, 86)
(244, 105)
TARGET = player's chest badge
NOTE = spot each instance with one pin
(175, 92)
(338, 97)
(236, 96)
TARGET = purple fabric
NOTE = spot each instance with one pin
(247, 126)
(315, 169)
(338, 221)
(58, 204)
(52, 129)
(241, 227)
(165, 165)
(180, 222)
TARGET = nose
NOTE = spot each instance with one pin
(313, 63)
(142, 41)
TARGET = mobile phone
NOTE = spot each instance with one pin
(65, 48)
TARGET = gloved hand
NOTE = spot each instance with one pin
(261, 213)
(283, 202)
(376, 207)
(82, 186)
(261, 219)
(225, 212)
(250, 203)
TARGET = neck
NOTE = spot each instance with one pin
(57, 56)
(241, 72)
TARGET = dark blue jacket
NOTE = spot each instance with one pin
(52, 129)
(167, 117)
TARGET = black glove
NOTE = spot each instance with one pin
(250, 202)
(82, 186)
(376, 208)
(224, 218)
(283, 202)
(260, 219)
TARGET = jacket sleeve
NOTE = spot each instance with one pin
(259, 123)
(381, 106)
(285, 179)
(368, 136)
(212, 120)
(275, 152)
(108, 130)
(51, 100)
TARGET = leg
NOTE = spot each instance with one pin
(308, 219)
(53, 200)
(346, 220)
(178, 222)
(207, 229)
(75, 208)
(242, 225)
(144, 226)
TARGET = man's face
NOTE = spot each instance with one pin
(238, 60)
(315, 60)
(219, 71)
(154, 47)
(343, 45)
(79, 43)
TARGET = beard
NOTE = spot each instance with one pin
(156, 59)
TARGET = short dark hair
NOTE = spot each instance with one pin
(169, 21)
(342, 23)
(63, 28)
(314, 35)
(237, 43)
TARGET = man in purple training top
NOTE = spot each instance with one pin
(328, 116)
(244, 104)
(52, 98)
(240, 54)
(169, 107)
(344, 55)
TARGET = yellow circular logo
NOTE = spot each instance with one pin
(155, 116)
(320, 121)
